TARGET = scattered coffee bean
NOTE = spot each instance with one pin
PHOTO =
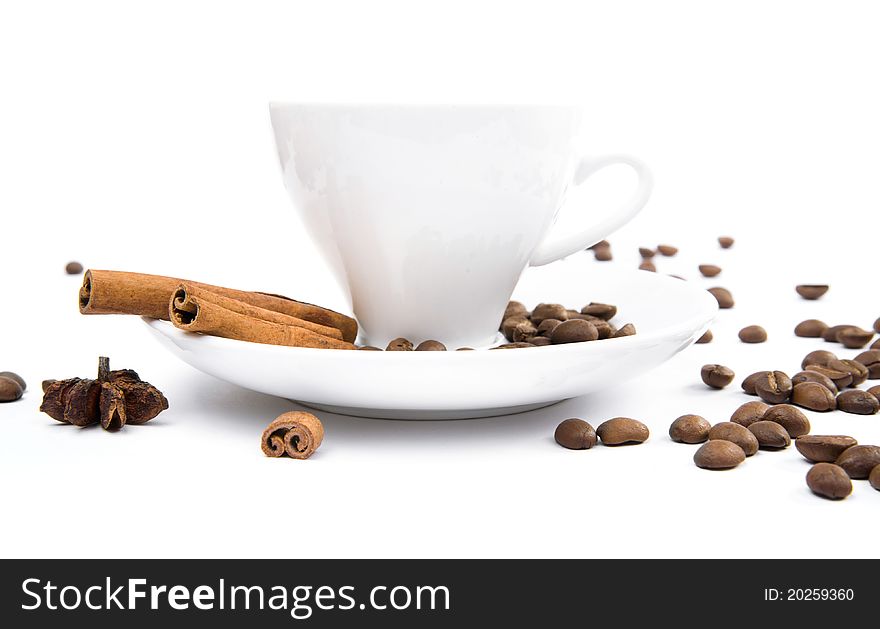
(547, 326)
(646, 253)
(717, 376)
(370, 348)
(726, 242)
(16, 377)
(523, 331)
(829, 481)
(814, 376)
(719, 455)
(841, 378)
(519, 345)
(753, 334)
(790, 418)
(830, 335)
(602, 311)
(647, 265)
(858, 461)
(858, 402)
(548, 311)
(399, 345)
(875, 391)
(10, 390)
(819, 357)
(748, 385)
(575, 434)
(854, 338)
(870, 359)
(874, 478)
(811, 291)
(735, 433)
(602, 254)
(823, 448)
(813, 396)
(539, 341)
(774, 388)
(749, 413)
(706, 338)
(515, 309)
(709, 270)
(622, 430)
(574, 331)
(627, 330)
(73, 268)
(770, 435)
(723, 296)
(667, 250)
(430, 346)
(856, 369)
(810, 328)
(690, 429)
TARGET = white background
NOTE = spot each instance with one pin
(138, 138)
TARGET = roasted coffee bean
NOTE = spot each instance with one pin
(627, 330)
(16, 377)
(709, 270)
(647, 265)
(622, 430)
(814, 376)
(548, 311)
(858, 402)
(717, 376)
(574, 331)
(520, 345)
(790, 418)
(523, 331)
(829, 481)
(774, 388)
(735, 433)
(430, 346)
(770, 435)
(823, 448)
(602, 254)
(813, 396)
(723, 296)
(875, 391)
(73, 268)
(719, 455)
(369, 348)
(749, 413)
(706, 338)
(646, 253)
(603, 311)
(667, 250)
(858, 461)
(753, 334)
(840, 378)
(547, 326)
(515, 309)
(510, 323)
(690, 429)
(10, 390)
(854, 338)
(856, 369)
(811, 291)
(726, 242)
(748, 385)
(874, 478)
(575, 434)
(830, 335)
(539, 341)
(811, 328)
(399, 345)
(870, 359)
(819, 357)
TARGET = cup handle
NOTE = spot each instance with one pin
(552, 249)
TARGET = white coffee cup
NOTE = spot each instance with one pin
(429, 214)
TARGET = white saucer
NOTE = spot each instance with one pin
(669, 314)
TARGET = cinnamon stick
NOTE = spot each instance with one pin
(197, 310)
(296, 434)
(121, 292)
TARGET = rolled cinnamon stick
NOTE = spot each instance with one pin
(198, 311)
(296, 434)
(121, 292)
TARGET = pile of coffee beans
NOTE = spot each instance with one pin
(12, 386)
(577, 434)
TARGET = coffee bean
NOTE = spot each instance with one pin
(819, 357)
(735, 433)
(523, 331)
(717, 376)
(627, 330)
(830, 335)
(858, 402)
(774, 388)
(369, 348)
(73, 268)
(602, 254)
(854, 338)
(875, 391)
(574, 331)
(823, 448)
(603, 311)
(811, 328)
(706, 338)
(726, 242)
(539, 341)
(814, 376)
(856, 369)
(667, 250)
(753, 334)
(547, 326)
(622, 430)
(647, 265)
(723, 296)
(770, 435)
(829, 481)
(399, 345)
(858, 461)
(10, 390)
(689, 429)
(430, 346)
(575, 434)
(515, 308)
(16, 377)
(874, 478)
(510, 323)
(811, 291)
(709, 270)
(646, 253)
(790, 418)
(749, 413)
(813, 396)
(548, 311)
(719, 455)
(841, 378)
(870, 359)
(748, 385)
(520, 345)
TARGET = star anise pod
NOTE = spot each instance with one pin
(116, 398)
